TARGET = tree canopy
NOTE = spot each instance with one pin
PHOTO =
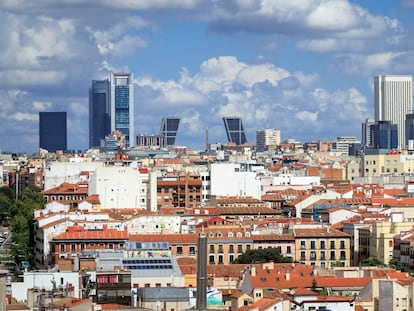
(262, 255)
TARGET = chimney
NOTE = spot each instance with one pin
(201, 298)
(253, 270)
(287, 275)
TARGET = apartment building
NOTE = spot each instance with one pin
(181, 191)
(393, 163)
(76, 240)
(323, 247)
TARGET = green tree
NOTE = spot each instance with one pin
(262, 255)
(21, 212)
(395, 263)
(371, 262)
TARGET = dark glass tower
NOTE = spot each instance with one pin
(234, 130)
(122, 106)
(99, 112)
(52, 131)
(169, 129)
(384, 135)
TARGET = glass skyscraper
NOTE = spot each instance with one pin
(99, 112)
(111, 108)
(52, 131)
(234, 130)
(122, 106)
(169, 129)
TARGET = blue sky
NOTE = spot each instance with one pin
(304, 67)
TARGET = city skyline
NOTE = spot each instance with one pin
(305, 69)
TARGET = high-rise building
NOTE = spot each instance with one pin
(409, 130)
(234, 130)
(111, 109)
(393, 100)
(52, 131)
(99, 112)
(267, 138)
(169, 129)
(384, 135)
(366, 132)
(122, 106)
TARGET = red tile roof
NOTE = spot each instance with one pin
(80, 233)
(172, 238)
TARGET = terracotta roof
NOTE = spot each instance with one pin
(93, 199)
(302, 291)
(394, 201)
(273, 237)
(172, 238)
(80, 233)
(247, 210)
(67, 188)
(319, 232)
(287, 276)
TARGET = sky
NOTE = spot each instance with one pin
(305, 68)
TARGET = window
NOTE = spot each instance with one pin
(211, 259)
(211, 248)
(73, 248)
(82, 246)
(220, 248)
(332, 244)
(230, 234)
(289, 249)
(312, 244)
(343, 255)
(302, 244)
(322, 244)
(240, 248)
(312, 255)
(323, 255)
(62, 247)
(333, 255)
(231, 258)
(231, 248)
(303, 256)
(179, 250)
(239, 234)
(111, 246)
(220, 259)
(192, 250)
(247, 247)
(342, 244)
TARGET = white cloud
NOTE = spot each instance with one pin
(306, 116)
(21, 116)
(41, 106)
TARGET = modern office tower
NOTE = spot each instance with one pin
(122, 106)
(366, 132)
(234, 130)
(393, 100)
(169, 129)
(409, 130)
(52, 131)
(99, 112)
(384, 135)
(267, 138)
